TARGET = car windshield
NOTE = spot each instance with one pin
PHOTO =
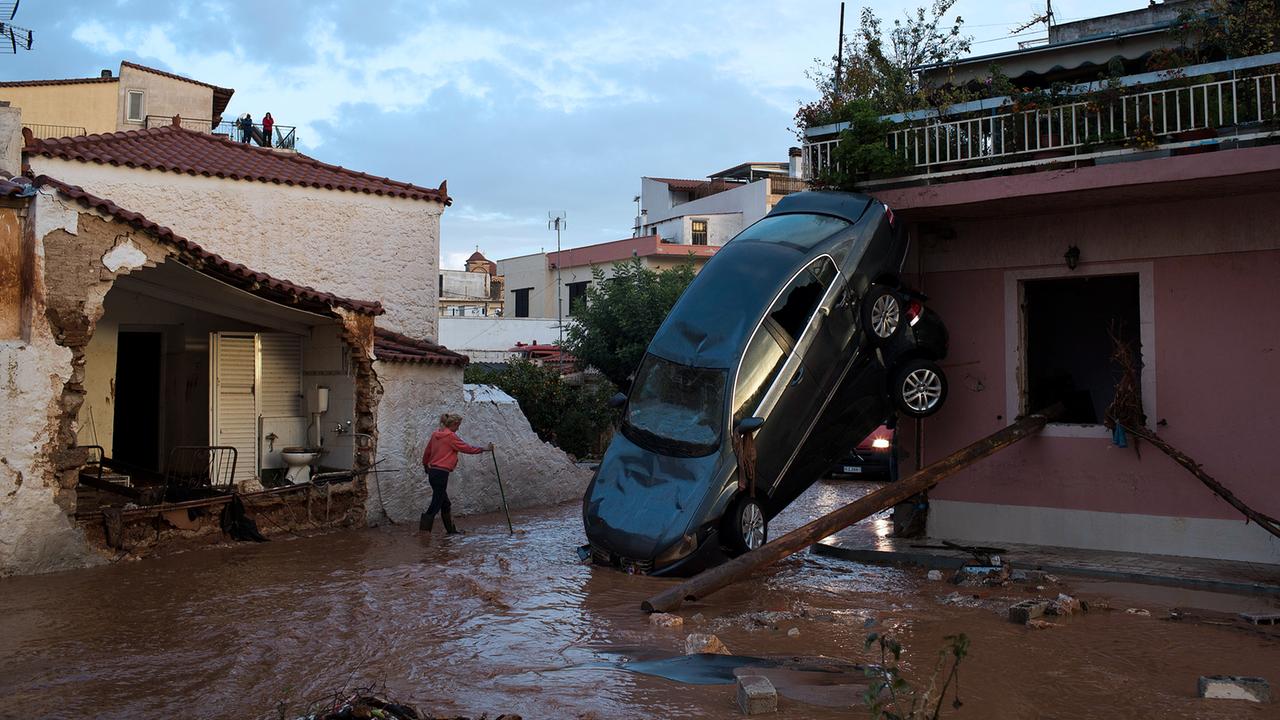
(800, 230)
(676, 409)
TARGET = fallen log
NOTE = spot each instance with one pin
(1267, 522)
(707, 582)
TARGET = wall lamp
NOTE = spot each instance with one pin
(1072, 256)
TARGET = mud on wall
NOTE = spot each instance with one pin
(534, 473)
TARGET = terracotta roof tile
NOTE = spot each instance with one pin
(678, 184)
(215, 266)
(176, 149)
(13, 189)
(67, 81)
(391, 346)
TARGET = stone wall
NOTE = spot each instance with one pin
(534, 473)
(351, 244)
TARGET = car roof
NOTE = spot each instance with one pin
(712, 320)
(847, 205)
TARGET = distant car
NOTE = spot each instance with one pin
(798, 332)
(873, 458)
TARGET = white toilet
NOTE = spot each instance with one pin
(299, 461)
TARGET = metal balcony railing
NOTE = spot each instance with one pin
(282, 136)
(43, 132)
(1121, 119)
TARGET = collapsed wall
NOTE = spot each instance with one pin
(534, 473)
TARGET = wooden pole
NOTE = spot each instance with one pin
(699, 586)
(1266, 522)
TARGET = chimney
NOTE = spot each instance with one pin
(795, 162)
(106, 73)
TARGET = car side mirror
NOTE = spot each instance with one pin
(618, 400)
(746, 426)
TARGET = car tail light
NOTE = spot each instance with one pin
(889, 211)
(914, 310)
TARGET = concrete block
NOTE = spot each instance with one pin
(756, 695)
(699, 643)
(1234, 687)
(1027, 610)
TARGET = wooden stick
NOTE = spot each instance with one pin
(699, 586)
(1267, 522)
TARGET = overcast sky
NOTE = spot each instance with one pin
(524, 107)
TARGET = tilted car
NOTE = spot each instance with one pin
(797, 333)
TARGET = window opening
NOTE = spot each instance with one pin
(676, 409)
(800, 298)
(699, 232)
(577, 296)
(1068, 344)
(522, 302)
(135, 106)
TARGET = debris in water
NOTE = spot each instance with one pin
(1041, 624)
(793, 632)
(700, 643)
(756, 695)
(1139, 611)
(666, 620)
(1064, 605)
(1028, 610)
(1234, 687)
(935, 575)
(368, 703)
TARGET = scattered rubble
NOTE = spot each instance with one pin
(793, 632)
(1139, 611)
(666, 620)
(756, 695)
(699, 643)
(1064, 605)
(1233, 687)
(1041, 624)
(365, 703)
(935, 575)
(697, 619)
(1028, 610)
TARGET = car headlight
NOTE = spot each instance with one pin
(678, 551)
(880, 443)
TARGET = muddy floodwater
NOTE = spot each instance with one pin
(491, 623)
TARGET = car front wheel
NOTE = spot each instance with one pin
(919, 388)
(746, 528)
(882, 314)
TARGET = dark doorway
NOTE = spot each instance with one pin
(136, 438)
(1069, 344)
(522, 302)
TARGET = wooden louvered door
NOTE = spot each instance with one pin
(233, 406)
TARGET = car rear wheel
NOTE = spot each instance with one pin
(919, 388)
(882, 314)
(746, 529)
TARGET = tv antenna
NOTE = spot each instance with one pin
(16, 37)
(558, 223)
(1046, 18)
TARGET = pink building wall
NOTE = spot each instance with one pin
(1213, 359)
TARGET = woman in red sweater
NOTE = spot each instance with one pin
(439, 459)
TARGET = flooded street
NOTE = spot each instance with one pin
(490, 623)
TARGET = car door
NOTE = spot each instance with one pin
(796, 391)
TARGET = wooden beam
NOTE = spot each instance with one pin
(699, 586)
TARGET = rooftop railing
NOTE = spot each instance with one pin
(44, 132)
(1096, 121)
(282, 136)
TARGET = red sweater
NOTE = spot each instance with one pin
(443, 448)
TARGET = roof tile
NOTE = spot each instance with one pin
(391, 346)
(175, 149)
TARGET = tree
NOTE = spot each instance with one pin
(881, 70)
(621, 315)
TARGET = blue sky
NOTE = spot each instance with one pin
(524, 107)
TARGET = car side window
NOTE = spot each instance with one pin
(761, 362)
(800, 299)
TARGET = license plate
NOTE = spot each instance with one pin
(853, 468)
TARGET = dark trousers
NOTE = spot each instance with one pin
(439, 480)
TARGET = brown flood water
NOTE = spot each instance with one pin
(491, 623)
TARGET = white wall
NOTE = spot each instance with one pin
(752, 200)
(360, 246)
(524, 272)
(721, 227)
(473, 336)
(460, 284)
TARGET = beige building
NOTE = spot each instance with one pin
(474, 292)
(134, 98)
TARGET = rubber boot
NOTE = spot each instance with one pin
(425, 522)
(447, 518)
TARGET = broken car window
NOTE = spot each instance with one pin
(760, 365)
(676, 409)
(800, 298)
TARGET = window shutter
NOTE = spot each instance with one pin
(281, 376)
(235, 412)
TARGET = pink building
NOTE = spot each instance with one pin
(1034, 246)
